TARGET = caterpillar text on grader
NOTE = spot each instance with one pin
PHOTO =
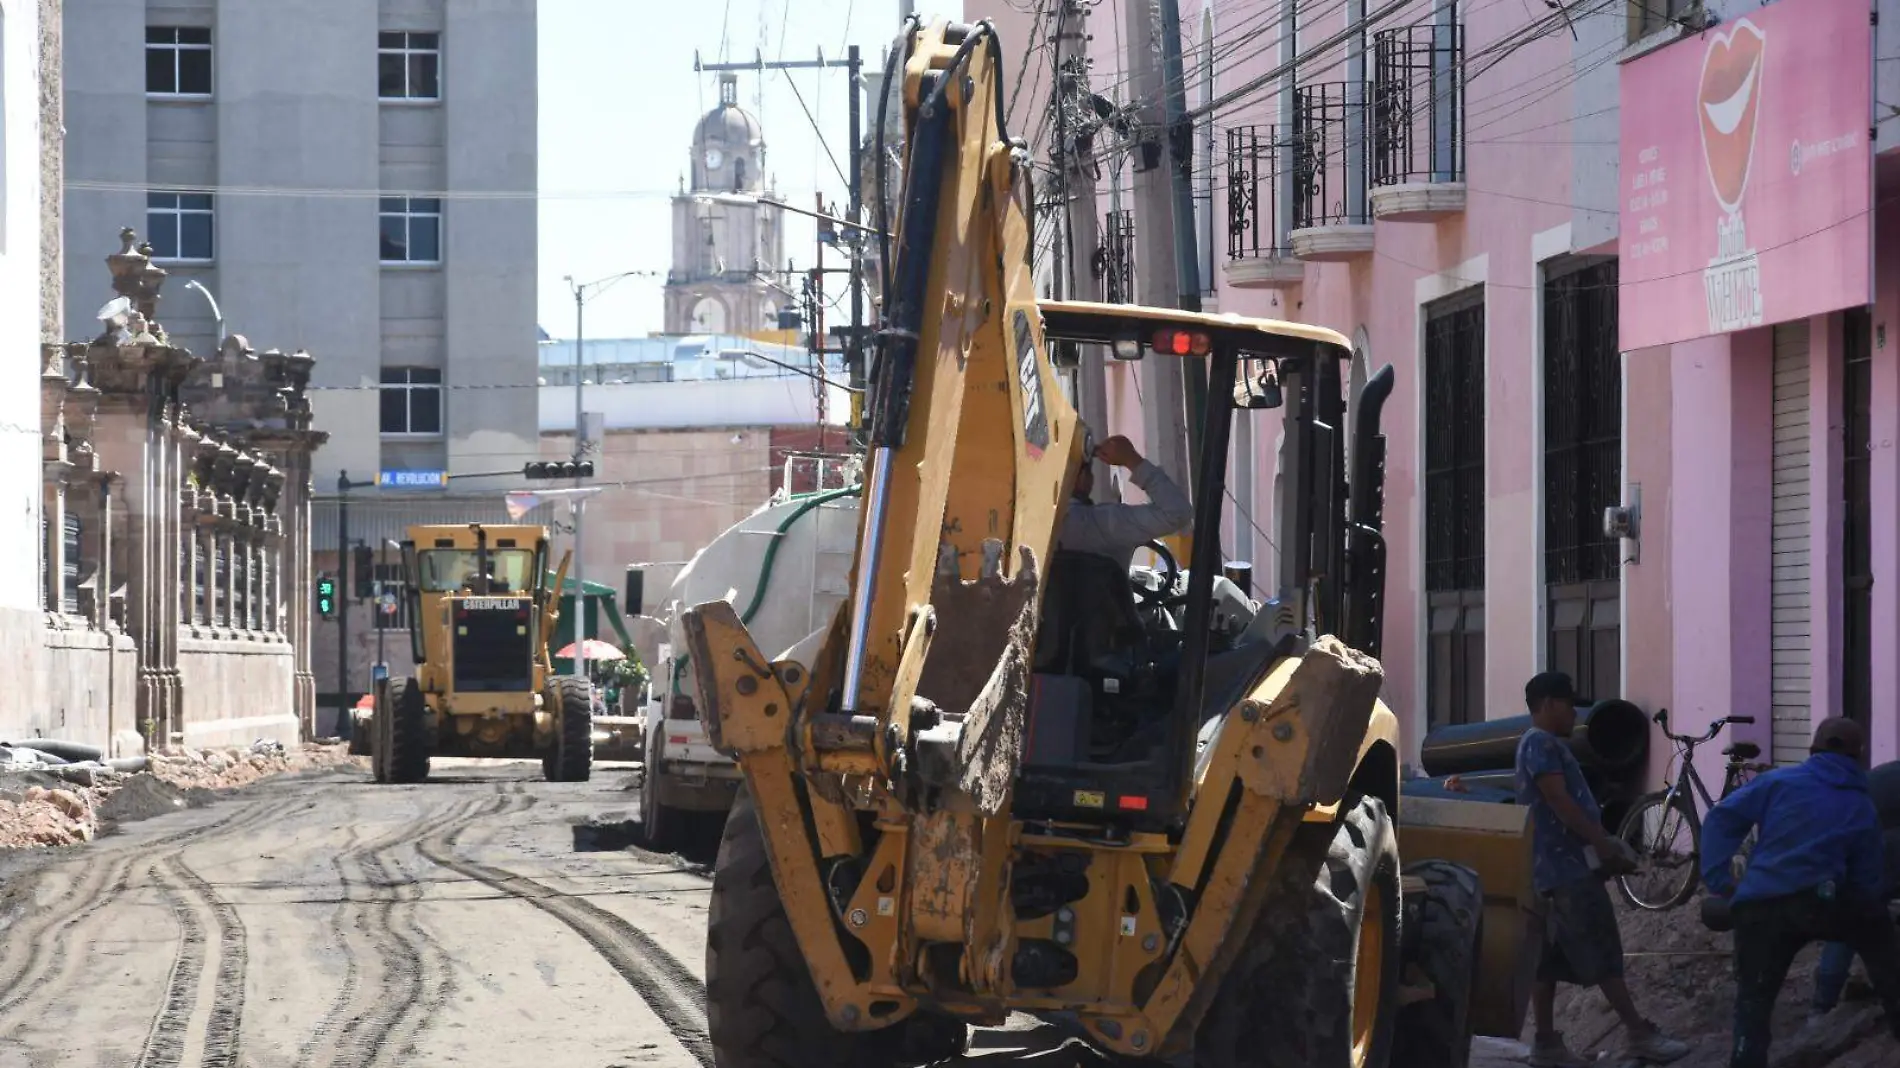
(484, 686)
(942, 823)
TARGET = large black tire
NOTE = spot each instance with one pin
(762, 1008)
(403, 744)
(1288, 999)
(573, 757)
(1443, 944)
(659, 825)
(1667, 838)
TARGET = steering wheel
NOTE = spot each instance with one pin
(1171, 572)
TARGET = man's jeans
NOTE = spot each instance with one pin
(1830, 976)
(1768, 934)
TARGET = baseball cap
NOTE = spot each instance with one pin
(1549, 685)
(1838, 734)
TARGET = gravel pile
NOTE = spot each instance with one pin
(1682, 975)
(51, 803)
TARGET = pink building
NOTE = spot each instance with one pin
(1621, 256)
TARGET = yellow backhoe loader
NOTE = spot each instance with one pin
(996, 789)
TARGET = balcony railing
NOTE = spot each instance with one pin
(1323, 189)
(1259, 165)
(1256, 158)
(1417, 98)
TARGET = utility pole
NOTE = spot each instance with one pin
(1164, 412)
(1074, 153)
(344, 597)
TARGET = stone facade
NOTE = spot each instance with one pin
(176, 528)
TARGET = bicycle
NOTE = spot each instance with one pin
(1665, 828)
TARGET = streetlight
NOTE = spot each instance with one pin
(582, 292)
(213, 301)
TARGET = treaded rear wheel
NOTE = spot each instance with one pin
(659, 825)
(1295, 996)
(762, 1008)
(573, 756)
(407, 733)
(1443, 947)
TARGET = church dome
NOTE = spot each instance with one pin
(728, 124)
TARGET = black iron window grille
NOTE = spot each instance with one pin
(1418, 104)
(1114, 264)
(1454, 443)
(1583, 424)
(1322, 185)
(1857, 520)
(200, 580)
(1256, 158)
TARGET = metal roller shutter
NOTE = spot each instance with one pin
(1792, 648)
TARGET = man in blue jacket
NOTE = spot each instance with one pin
(1814, 875)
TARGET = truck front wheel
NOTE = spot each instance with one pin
(573, 757)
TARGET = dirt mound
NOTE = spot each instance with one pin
(140, 798)
(38, 809)
(1681, 975)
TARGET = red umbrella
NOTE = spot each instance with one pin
(596, 650)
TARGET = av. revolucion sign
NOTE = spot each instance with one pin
(1747, 180)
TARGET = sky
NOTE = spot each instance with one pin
(618, 102)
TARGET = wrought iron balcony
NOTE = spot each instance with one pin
(1259, 255)
(1418, 122)
(1330, 220)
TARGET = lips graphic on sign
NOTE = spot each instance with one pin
(1727, 102)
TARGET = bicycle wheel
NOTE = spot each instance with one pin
(1667, 838)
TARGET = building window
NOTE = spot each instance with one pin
(1583, 475)
(408, 66)
(179, 226)
(178, 60)
(1454, 508)
(1653, 16)
(411, 230)
(412, 400)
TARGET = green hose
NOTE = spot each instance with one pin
(771, 557)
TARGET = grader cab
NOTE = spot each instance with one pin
(484, 684)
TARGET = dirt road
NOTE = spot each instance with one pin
(484, 918)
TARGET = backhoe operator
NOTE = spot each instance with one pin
(1117, 530)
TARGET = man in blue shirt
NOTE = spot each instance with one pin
(1814, 875)
(1571, 855)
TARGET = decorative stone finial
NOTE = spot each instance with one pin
(126, 265)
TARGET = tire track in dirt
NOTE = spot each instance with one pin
(670, 990)
(360, 1026)
(192, 901)
(45, 946)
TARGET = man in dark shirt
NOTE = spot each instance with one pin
(1814, 875)
(1571, 855)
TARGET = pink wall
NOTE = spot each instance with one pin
(1518, 179)
(1648, 612)
(1885, 477)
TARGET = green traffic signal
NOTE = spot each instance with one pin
(326, 597)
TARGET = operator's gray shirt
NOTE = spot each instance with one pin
(1117, 530)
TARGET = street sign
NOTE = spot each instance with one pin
(412, 479)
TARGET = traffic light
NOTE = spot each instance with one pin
(363, 565)
(549, 469)
(326, 596)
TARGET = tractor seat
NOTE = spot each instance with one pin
(1742, 751)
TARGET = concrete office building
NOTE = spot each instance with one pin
(337, 175)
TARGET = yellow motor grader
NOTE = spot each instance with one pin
(484, 684)
(995, 788)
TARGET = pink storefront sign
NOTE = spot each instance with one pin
(1747, 174)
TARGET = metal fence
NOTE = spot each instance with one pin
(1418, 104)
